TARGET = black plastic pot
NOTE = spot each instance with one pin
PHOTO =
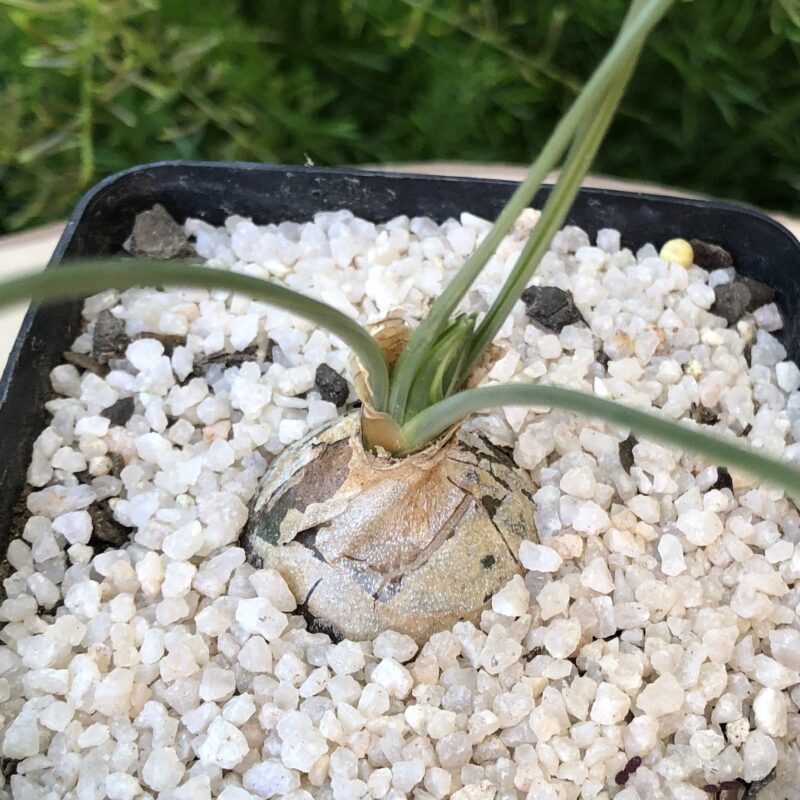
(104, 217)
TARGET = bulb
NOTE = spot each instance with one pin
(369, 542)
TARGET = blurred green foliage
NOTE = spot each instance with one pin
(88, 87)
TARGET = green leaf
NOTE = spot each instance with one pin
(630, 38)
(435, 379)
(73, 280)
(582, 154)
(436, 419)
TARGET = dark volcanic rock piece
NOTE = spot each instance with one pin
(157, 235)
(626, 452)
(724, 480)
(331, 385)
(108, 338)
(710, 256)
(731, 301)
(120, 412)
(551, 307)
(760, 293)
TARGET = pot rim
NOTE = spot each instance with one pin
(108, 182)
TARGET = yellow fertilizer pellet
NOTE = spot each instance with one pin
(678, 251)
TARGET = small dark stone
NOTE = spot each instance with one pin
(703, 415)
(120, 412)
(731, 301)
(157, 235)
(760, 293)
(106, 531)
(487, 562)
(626, 452)
(551, 307)
(621, 778)
(747, 429)
(710, 256)
(108, 337)
(331, 385)
(724, 480)
(633, 764)
(603, 358)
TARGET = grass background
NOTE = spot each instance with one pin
(88, 87)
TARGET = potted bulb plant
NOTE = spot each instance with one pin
(401, 514)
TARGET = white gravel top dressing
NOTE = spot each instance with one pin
(656, 617)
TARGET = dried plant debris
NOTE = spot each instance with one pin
(157, 235)
(169, 340)
(85, 362)
(703, 415)
(253, 352)
(551, 307)
(110, 341)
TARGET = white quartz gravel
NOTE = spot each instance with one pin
(657, 617)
